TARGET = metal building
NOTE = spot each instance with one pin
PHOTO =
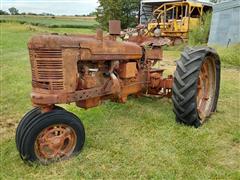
(225, 27)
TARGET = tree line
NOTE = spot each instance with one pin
(15, 11)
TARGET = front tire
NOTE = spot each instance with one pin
(26, 120)
(196, 85)
(52, 136)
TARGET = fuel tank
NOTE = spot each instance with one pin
(90, 47)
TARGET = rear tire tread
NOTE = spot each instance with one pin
(185, 84)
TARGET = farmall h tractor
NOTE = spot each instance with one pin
(88, 69)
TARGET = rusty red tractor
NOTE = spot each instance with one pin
(88, 69)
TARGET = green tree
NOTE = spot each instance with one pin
(13, 11)
(92, 14)
(124, 10)
(3, 12)
(199, 35)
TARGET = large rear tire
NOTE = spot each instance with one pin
(196, 85)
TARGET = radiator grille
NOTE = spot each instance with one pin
(47, 69)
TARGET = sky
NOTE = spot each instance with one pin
(57, 7)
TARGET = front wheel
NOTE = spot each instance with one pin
(52, 136)
(196, 85)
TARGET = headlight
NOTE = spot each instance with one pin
(157, 32)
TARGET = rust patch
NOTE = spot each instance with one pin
(56, 141)
(88, 69)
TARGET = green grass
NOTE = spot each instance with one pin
(230, 55)
(199, 35)
(56, 22)
(136, 140)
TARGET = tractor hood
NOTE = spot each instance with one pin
(91, 48)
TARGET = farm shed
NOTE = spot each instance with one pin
(148, 6)
(225, 27)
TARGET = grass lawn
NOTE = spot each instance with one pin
(52, 22)
(139, 139)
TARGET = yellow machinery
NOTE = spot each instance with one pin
(176, 19)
